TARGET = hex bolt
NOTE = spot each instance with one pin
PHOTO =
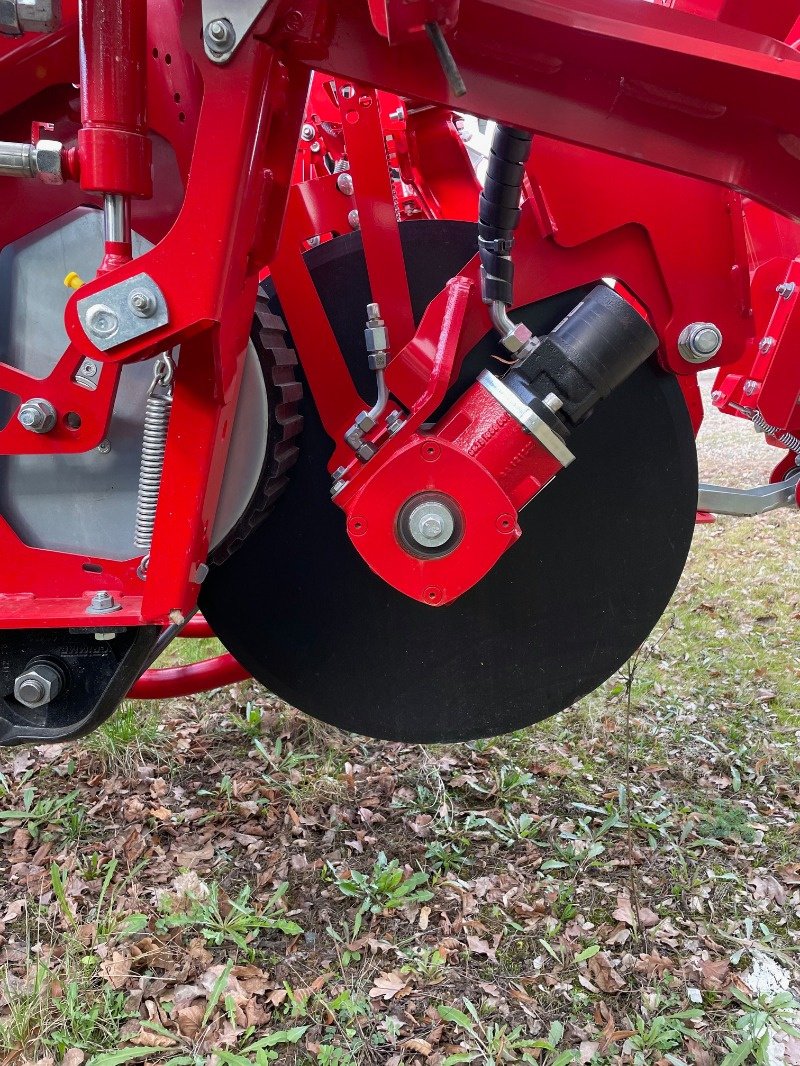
(785, 289)
(38, 684)
(699, 341)
(552, 402)
(37, 415)
(220, 36)
(398, 115)
(353, 219)
(344, 183)
(431, 527)
(307, 132)
(765, 344)
(143, 303)
(102, 321)
(430, 524)
(750, 387)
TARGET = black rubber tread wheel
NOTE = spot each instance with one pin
(284, 392)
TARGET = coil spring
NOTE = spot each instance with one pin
(154, 444)
(788, 440)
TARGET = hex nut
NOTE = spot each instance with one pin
(37, 415)
(516, 340)
(699, 341)
(143, 303)
(220, 37)
(48, 162)
(377, 360)
(37, 685)
(364, 422)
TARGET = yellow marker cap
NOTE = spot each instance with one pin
(73, 280)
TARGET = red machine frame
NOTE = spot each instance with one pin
(632, 102)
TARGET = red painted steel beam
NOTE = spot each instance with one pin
(186, 680)
(639, 80)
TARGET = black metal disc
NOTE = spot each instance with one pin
(602, 550)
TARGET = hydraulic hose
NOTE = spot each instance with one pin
(498, 214)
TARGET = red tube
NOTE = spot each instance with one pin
(197, 627)
(114, 151)
(185, 680)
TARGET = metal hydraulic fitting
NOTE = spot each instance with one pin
(43, 160)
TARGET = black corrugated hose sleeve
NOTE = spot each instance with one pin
(498, 213)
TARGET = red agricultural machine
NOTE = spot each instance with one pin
(408, 417)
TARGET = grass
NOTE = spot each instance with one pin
(224, 882)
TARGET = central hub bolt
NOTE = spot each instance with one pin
(430, 524)
(431, 527)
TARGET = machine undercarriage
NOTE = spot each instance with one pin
(403, 403)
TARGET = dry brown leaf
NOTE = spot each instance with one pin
(117, 969)
(481, 947)
(714, 973)
(190, 1019)
(389, 985)
(603, 973)
(147, 1038)
(416, 1043)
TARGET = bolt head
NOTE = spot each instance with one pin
(750, 387)
(307, 132)
(37, 415)
(785, 289)
(765, 344)
(353, 220)
(344, 183)
(101, 321)
(104, 447)
(431, 527)
(430, 524)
